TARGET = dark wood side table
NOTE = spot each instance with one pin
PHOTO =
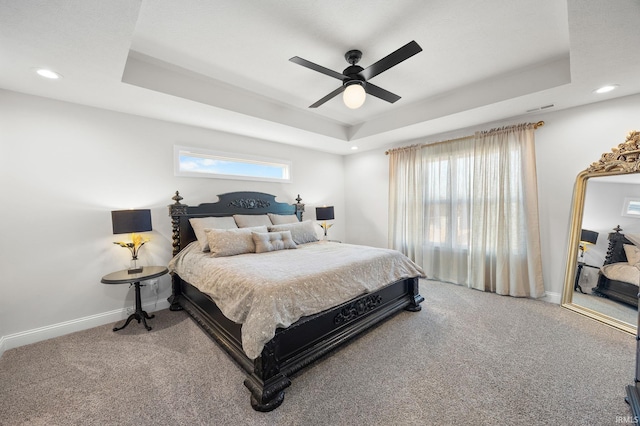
(124, 277)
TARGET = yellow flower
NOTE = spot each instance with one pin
(136, 242)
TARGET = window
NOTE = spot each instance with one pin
(631, 207)
(196, 162)
(447, 200)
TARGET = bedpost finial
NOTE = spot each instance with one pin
(177, 198)
(299, 205)
(299, 208)
(617, 228)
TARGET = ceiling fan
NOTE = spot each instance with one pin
(354, 78)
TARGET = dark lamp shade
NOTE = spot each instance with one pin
(129, 221)
(587, 236)
(324, 213)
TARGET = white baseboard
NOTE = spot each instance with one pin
(55, 330)
(552, 297)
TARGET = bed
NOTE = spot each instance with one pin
(619, 276)
(270, 364)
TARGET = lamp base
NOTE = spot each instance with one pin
(133, 267)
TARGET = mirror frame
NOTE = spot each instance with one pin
(623, 159)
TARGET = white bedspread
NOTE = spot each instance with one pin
(622, 271)
(269, 290)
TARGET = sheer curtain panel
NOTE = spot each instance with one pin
(466, 210)
(505, 238)
(406, 213)
(429, 207)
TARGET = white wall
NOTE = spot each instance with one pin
(64, 167)
(568, 143)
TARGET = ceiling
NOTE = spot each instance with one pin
(225, 65)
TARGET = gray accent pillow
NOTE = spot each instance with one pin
(301, 232)
(272, 241)
(248, 220)
(231, 242)
(199, 224)
(281, 219)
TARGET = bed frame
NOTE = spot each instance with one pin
(613, 289)
(294, 347)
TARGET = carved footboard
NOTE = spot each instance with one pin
(299, 345)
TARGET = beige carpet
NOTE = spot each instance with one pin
(467, 358)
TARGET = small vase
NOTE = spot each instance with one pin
(134, 268)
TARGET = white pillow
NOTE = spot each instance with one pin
(199, 224)
(272, 241)
(230, 242)
(248, 220)
(281, 219)
(301, 232)
(633, 254)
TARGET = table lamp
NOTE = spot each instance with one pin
(324, 214)
(130, 222)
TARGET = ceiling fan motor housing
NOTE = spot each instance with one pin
(352, 75)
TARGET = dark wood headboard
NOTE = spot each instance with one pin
(227, 205)
(615, 252)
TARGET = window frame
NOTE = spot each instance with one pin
(239, 158)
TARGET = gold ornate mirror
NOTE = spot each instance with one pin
(601, 279)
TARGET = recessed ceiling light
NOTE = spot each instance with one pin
(43, 72)
(607, 88)
(354, 148)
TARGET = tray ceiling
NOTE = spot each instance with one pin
(225, 64)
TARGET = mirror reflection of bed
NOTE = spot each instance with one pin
(603, 213)
(609, 285)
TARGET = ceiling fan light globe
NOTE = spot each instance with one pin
(354, 96)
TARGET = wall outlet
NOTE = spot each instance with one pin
(154, 286)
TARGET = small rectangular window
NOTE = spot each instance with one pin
(196, 162)
(631, 207)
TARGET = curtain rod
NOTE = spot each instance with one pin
(535, 126)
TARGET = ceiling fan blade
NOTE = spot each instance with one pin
(393, 59)
(329, 96)
(317, 67)
(379, 92)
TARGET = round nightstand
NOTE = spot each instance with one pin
(124, 277)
